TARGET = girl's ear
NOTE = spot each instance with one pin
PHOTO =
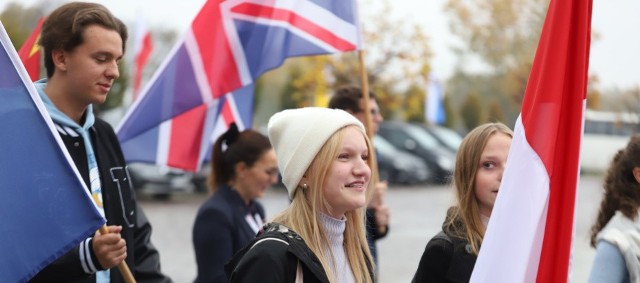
(240, 167)
(636, 174)
(304, 182)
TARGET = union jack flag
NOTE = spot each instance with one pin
(207, 81)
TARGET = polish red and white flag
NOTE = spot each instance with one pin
(531, 230)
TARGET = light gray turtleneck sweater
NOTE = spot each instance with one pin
(335, 234)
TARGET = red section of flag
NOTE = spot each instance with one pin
(218, 60)
(186, 134)
(290, 17)
(227, 114)
(142, 56)
(29, 53)
(552, 117)
(210, 62)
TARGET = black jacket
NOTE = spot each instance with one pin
(446, 258)
(220, 230)
(275, 260)
(120, 209)
(373, 234)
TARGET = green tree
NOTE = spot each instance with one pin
(631, 100)
(413, 104)
(397, 55)
(291, 96)
(450, 118)
(594, 96)
(397, 59)
(19, 21)
(472, 114)
(503, 34)
(495, 112)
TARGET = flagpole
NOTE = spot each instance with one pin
(364, 81)
(123, 267)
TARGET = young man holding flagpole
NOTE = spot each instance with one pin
(83, 43)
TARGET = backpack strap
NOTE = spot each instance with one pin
(299, 275)
(268, 239)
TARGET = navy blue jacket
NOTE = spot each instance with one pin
(120, 207)
(220, 230)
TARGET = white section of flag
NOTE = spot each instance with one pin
(514, 237)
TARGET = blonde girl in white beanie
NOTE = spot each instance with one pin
(324, 157)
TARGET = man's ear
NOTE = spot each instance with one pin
(59, 58)
(636, 174)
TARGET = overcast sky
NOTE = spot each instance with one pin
(615, 57)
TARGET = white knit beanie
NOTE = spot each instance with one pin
(297, 136)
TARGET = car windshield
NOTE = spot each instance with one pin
(422, 136)
(451, 138)
(383, 146)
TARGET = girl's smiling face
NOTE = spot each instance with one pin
(349, 174)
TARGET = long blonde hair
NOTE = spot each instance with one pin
(303, 214)
(463, 220)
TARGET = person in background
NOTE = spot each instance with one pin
(243, 166)
(323, 155)
(451, 255)
(83, 43)
(616, 231)
(350, 99)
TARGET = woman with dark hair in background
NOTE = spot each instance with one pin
(243, 166)
(616, 233)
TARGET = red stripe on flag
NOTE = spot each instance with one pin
(227, 114)
(186, 137)
(269, 13)
(141, 60)
(215, 50)
(29, 53)
(552, 117)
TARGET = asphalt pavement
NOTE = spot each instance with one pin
(417, 213)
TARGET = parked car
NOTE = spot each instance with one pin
(417, 141)
(160, 182)
(448, 138)
(199, 179)
(397, 166)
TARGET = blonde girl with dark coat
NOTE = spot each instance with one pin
(324, 156)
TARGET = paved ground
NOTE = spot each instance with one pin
(417, 215)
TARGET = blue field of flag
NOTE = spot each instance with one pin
(44, 208)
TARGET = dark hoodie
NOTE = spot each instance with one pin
(447, 257)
